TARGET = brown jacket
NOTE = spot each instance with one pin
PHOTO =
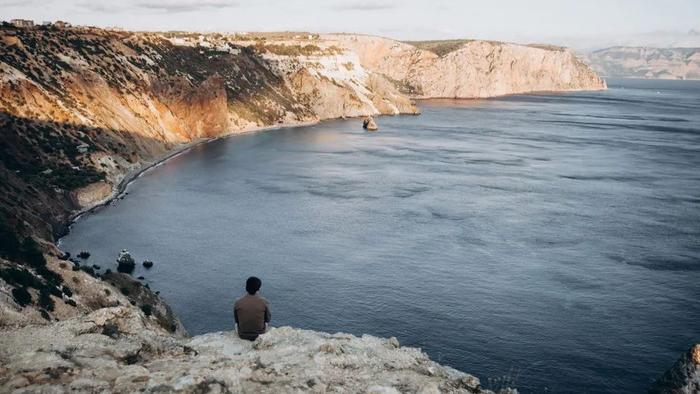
(251, 312)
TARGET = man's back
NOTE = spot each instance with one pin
(251, 312)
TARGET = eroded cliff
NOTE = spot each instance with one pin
(81, 108)
(471, 68)
(645, 62)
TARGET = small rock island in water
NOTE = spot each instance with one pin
(369, 124)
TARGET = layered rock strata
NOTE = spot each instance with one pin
(471, 68)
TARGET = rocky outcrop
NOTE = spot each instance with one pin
(91, 194)
(645, 62)
(472, 68)
(79, 290)
(369, 124)
(683, 377)
(121, 350)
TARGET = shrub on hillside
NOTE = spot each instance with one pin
(32, 254)
(28, 253)
(45, 300)
(45, 314)
(88, 270)
(22, 296)
(54, 291)
(67, 291)
(147, 309)
(19, 277)
(9, 244)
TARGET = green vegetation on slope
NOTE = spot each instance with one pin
(439, 47)
(443, 47)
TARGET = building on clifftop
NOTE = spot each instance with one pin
(22, 22)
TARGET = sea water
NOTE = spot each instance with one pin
(549, 241)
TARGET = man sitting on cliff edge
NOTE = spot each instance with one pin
(251, 312)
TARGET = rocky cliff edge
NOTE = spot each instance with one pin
(119, 349)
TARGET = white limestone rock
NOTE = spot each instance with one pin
(119, 349)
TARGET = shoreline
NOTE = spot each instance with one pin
(131, 176)
(533, 92)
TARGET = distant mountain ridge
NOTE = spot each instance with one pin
(646, 62)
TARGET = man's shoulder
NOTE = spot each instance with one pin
(251, 298)
(256, 298)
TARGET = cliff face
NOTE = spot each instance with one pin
(644, 62)
(471, 68)
(79, 106)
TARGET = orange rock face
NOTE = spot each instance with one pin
(83, 106)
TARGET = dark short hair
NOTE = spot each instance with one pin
(252, 284)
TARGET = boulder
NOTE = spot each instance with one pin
(369, 124)
(683, 377)
(125, 263)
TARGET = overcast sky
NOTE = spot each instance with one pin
(510, 20)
